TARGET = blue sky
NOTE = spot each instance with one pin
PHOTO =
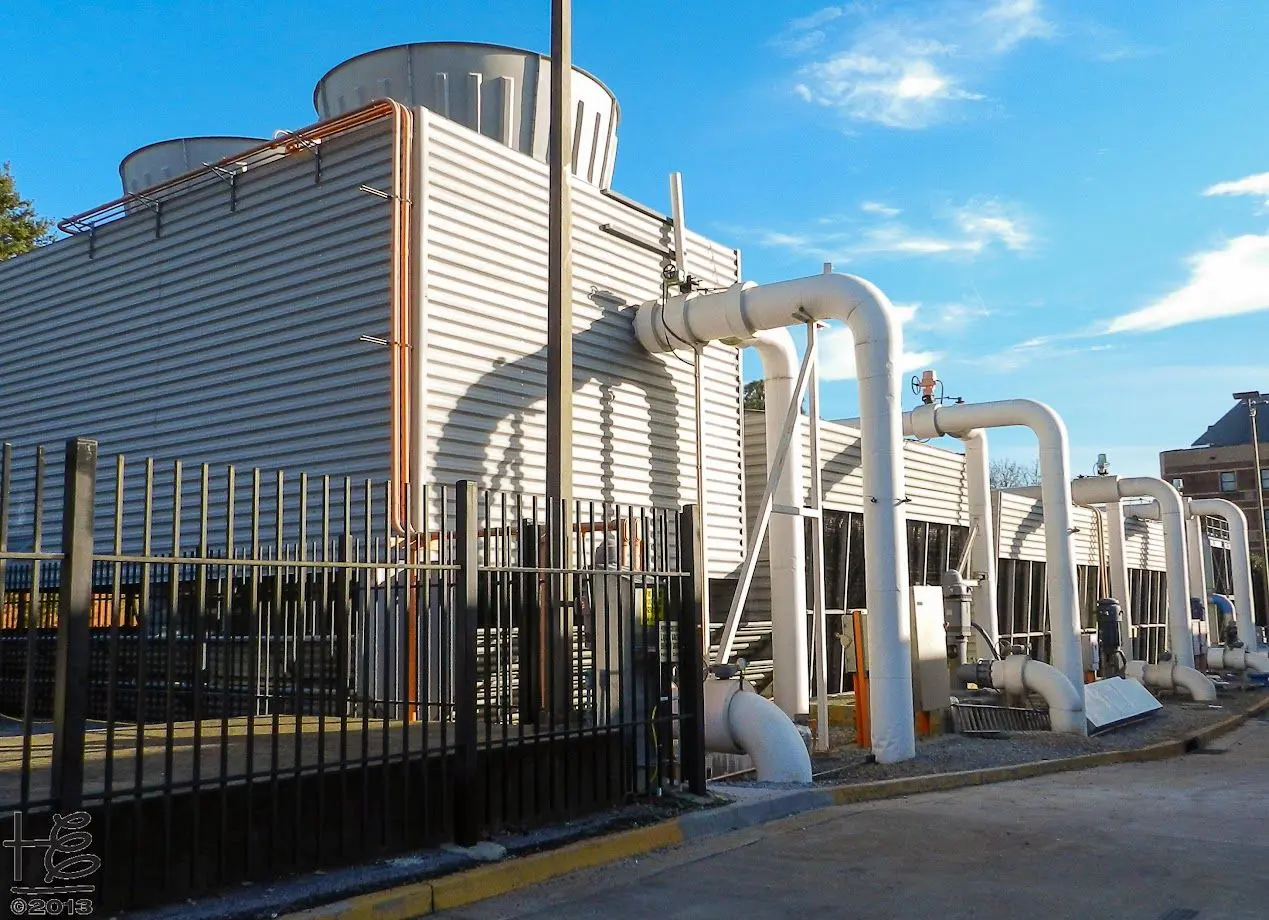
(1069, 199)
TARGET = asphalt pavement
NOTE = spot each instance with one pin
(1176, 839)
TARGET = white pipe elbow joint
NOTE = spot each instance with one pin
(1172, 676)
(739, 720)
(1019, 674)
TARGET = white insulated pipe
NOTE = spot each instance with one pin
(1197, 559)
(739, 720)
(786, 553)
(1220, 658)
(1173, 676)
(1110, 490)
(1019, 674)
(1119, 589)
(982, 554)
(933, 421)
(734, 315)
(1244, 601)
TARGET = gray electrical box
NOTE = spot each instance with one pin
(931, 678)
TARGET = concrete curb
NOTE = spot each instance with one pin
(479, 884)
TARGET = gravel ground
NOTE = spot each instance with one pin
(950, 753)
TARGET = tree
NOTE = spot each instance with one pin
(755, 395)
(21, 229)
(1010, 474)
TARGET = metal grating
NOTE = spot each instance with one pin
(977, 719)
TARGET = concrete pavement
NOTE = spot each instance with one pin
(1169, 840)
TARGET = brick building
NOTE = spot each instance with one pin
(1221, 463)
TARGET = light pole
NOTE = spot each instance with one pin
(1252, 399)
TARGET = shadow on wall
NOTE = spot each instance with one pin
(514, 390)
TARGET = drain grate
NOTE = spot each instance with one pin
(1180, 913)
(977, 719)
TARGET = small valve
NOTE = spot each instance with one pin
(929, 382)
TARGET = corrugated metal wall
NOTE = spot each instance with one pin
(229, 338)
(485, 313)
(1020, 533)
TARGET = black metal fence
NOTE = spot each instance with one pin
(237, 678)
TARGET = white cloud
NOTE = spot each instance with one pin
(1228, 281)
(877, 207)
(904, 71)
(974, 228)
(988, 220)
(837, 356)
(1256, 186)
(950, 318)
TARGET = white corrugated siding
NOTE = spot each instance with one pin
(230, 338)
(1020, 533)
(485, 328)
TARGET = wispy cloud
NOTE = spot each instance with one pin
(1042, 348)
(876, 207)
(1256, 186)
(965, 232)
(948, 318)
(1228, 281)
(912, 65)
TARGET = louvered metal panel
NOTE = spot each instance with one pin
(215, 335)
(484, 303)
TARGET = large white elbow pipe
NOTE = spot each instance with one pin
(786, 541)
(734, 315)
(982, 554)
(1096, 490)
(1240, 553)
(738, 720)
(1236, 659)
(1055, 484)
(1019, 675)
(1172, 676)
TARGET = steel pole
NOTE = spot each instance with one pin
(559, 292)
(1260, 502)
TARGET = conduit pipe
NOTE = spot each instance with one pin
(1240, 547)
(1220, 658)
(1110, 490)
(734, 315)
(786, 553)
(739, 720)
(1172, 676)
(1019, 675)
(931, 421)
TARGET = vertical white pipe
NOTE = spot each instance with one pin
(1061, 580)
(1197, 576)
(982, 554)
(817, 548)
(734, 314)
(786, 554)
(1240, 559)
(1119, 582)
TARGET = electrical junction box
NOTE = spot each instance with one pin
(931, 679)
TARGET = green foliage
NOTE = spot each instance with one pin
(21, 229)
(755, 395)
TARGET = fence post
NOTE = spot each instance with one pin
(74, 610)
(467, 799)
(693, 645)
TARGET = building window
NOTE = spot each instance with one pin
(1178, 484)
(1264, 477)
(1229, 482)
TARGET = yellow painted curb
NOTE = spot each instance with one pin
(483, 882)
